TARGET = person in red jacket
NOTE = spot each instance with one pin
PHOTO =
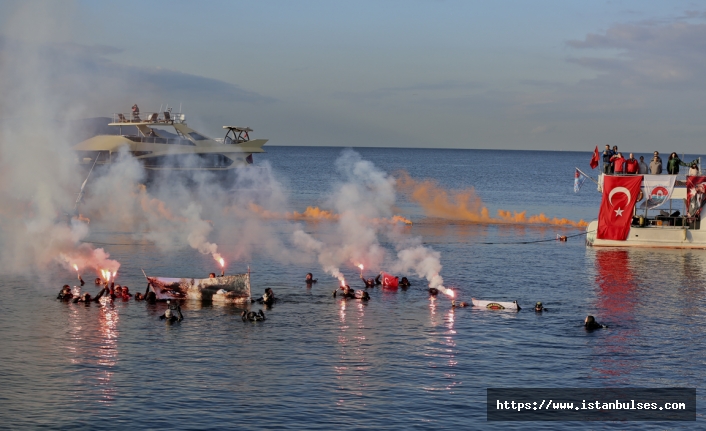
(632, 166)
(618, 163)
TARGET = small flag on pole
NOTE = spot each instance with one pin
(579, 179)
(594, 159)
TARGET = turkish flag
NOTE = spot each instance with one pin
(594, 159)
(619, 198)
(389, 281)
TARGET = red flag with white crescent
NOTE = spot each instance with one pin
(619, 198)
(389, 280)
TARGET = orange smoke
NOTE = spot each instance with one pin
(466, 205)
(317, 214)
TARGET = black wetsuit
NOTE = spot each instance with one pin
(368, 283)
(590, 326)
(88, 300)
(173, 313)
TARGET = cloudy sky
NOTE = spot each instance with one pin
(549, 75)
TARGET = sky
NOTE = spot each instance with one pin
(539, 75)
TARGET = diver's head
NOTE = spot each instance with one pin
(309, 276)
(118, 290)
(126, 290)
(98, 281)
(589, 320)
(538, 306)
(212, 275)
(371, 281)
(65, 288)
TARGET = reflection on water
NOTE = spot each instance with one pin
(353, 365)
(92, 345)
(617, 299)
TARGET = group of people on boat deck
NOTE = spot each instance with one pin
(615, 164)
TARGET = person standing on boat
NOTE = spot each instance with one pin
(673, 164)
(607, 165)
(656, 154)
(643, 166)
(632, 166)
(618, 163)
(694, 169)
(656, 165)
(135, 112)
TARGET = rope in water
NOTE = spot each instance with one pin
(535, 241)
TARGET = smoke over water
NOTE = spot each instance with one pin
(467, 206)
(40, 179)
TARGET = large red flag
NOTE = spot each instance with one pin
(389, 281)
(594, 159)
(619, 198)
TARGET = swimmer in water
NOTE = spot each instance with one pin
(590, 324)
(251, 316)
(65, 293)
(433, 291)
(460, 304)
(139, 296)
(212, 275)
(126, 294)
(310, 279)
(538, 307)
(80, 279)
(151, 298)
(347, 292)
(369, 283)
(268, 298)
(97, 281)
(404, 283)
(87, 299)
(173, 313)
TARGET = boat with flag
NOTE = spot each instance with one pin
(649, 211)
(224, 289)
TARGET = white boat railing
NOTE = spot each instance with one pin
(165, 117)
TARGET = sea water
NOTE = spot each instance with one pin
(400, 361)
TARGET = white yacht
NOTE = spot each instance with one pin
(161, 150)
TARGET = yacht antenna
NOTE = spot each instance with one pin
(180, 107)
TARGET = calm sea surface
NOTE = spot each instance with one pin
(401, 361)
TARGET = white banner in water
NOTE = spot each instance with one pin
(658, 190)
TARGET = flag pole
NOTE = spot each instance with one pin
(587, 176)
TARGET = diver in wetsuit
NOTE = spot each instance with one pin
(377, 279)
(310, 279)
(539, 308)
(349, 293)
(404, 283)
(87, 299)
(590, 324)
(253, 316)
(433, 291)
(368, 283)
(65, 293)
(173, 313)
(268, 298)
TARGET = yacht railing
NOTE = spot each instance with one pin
(165, 117)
